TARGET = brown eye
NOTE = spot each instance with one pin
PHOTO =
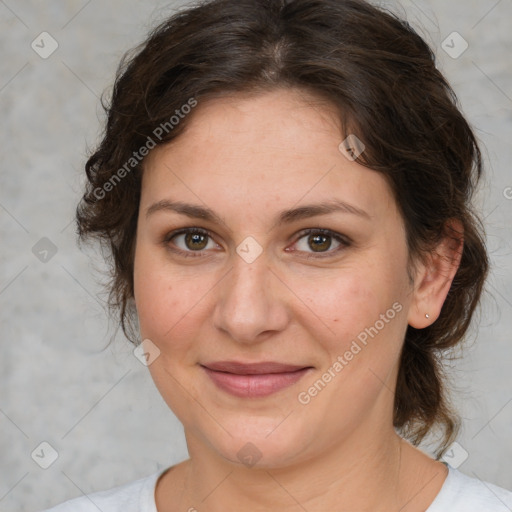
(322, 242)
(189, 241)
(196, 241)
(319, 243)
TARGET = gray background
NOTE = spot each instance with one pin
(99, 408)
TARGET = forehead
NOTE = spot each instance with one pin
(277, 148)
(258, 123)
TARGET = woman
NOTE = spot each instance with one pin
(285, 188)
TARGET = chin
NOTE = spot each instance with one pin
(263, 444)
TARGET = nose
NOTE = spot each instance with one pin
(251, 302)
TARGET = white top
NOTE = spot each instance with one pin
(459, 493)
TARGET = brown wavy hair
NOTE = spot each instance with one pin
(380, 75)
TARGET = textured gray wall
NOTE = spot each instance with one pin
(99, 408)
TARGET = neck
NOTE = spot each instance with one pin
(381, 475)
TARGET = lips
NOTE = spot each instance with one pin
(253, 380)
(252, 368)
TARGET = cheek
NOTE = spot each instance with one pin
(171, 301)
(357, 313)
(158, 305)
(346, 301)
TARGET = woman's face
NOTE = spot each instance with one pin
(304, 264)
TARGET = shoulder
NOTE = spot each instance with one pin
(462, 493)
(136, 496)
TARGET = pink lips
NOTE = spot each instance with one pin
(253, 380)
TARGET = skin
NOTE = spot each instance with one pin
(247, 158)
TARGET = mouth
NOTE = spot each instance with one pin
(253, 380)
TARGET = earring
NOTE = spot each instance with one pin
(427, 315)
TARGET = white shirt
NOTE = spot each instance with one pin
(459, 493)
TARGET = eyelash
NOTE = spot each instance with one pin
(343, 240)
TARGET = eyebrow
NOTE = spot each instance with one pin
(283, 217)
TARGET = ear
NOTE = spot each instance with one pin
(434, 277)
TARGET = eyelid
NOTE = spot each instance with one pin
(324, 231)
(192, 229)
(183, 231)
(344, 240)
